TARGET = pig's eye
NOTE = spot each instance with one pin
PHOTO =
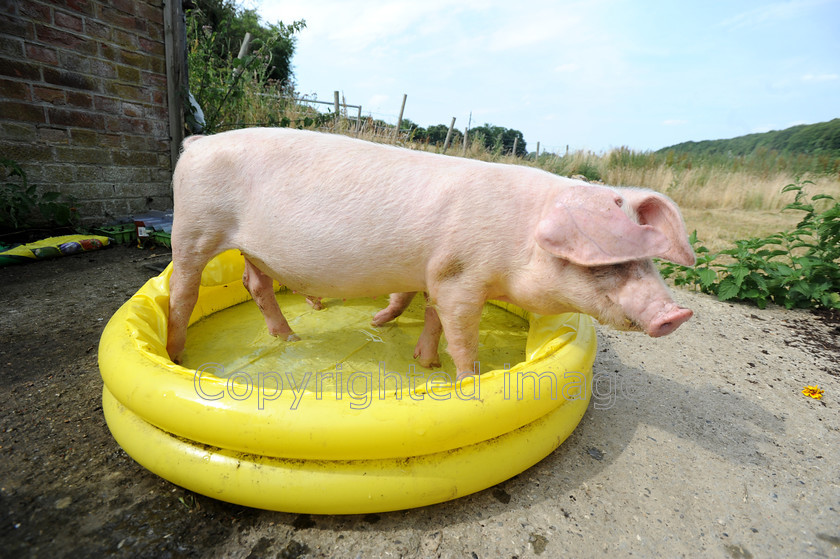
(611, 272)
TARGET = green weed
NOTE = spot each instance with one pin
(795, 269)
(21, 205)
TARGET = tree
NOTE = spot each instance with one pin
(498, 139)
(232, 22)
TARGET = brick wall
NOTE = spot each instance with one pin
(83, 101)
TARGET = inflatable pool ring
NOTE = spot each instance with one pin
(342, 421)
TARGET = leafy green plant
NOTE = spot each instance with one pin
(230, 90)
(22, 206)
(799, 268)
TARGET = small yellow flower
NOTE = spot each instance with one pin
(813, 391)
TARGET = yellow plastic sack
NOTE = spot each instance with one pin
(52, 247)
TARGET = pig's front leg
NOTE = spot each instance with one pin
(460, 315)
(397, 303)
(261, 288)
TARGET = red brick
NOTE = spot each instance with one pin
(27, 152)
(98, 30)
(11, 46)
(81, 137)
(41, 54)
(16, 27)
(135, 59)
(135, 158)
(72, 80)
(137, 143)
(117, 18)
(157, 81)
(128, 92)
(157, 65)
(81, 119)
(154, 31)
(151, 13)
(36, 10)
(126, 39)
(106, 105)
(132, 110)
(85, 7)
(152, 47)
(127, 6)
(72, 62)
(128, 74)
(95, 156)
(16, 131)
(109, 52)
(113, 140)
(19, 69)
(61, 38)
(49, 94)
(68, 21)
(53, 135)
(158, 112)
(79, 99)
(103, 68)
(113, 124)
(26, 112)
(14, 90)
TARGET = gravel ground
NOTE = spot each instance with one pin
(701, 445)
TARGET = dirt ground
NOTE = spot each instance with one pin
(704, 446)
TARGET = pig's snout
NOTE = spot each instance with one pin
(666, 322)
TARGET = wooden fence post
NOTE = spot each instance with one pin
(175, 44)
(467, 133)
(399, 120)
(243, 51)
(448, 135)
(515, 143)
(336, 106)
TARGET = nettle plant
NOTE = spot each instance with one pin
(795, 269)
(22, 206)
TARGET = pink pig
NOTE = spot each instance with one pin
(331, 216)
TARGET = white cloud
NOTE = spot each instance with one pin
(568, 67)
(771, 13)
(820, 77)
(378, 101)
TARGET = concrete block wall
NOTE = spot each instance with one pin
(83, 101)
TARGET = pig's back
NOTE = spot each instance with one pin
(377, 213)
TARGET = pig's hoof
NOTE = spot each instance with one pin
(429, 362)
(382, 317)
(463, 375)
(315, 303)
(292, 338)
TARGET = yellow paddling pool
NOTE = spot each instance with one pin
(343, 421)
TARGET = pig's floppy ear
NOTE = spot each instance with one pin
(587, 226)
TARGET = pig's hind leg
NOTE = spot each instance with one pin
(183, 294)
(261, 288)
(397, 303)
(426, 350)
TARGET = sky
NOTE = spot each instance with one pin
(592, 75)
